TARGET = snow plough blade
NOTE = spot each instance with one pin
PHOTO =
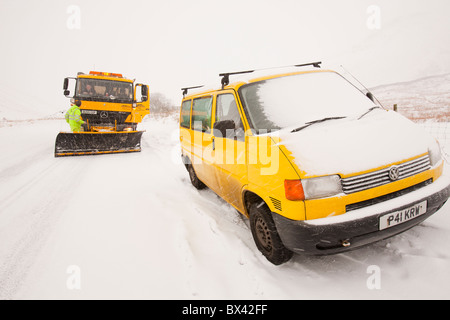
(90, 143)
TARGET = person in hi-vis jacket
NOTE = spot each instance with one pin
(73, 116)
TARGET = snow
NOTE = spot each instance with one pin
(379, 138)
(131, 226)
(134, 228)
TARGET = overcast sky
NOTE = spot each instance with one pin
(174, 43)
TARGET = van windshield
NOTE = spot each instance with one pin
(294, 100)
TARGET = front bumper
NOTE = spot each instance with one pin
(359, 227)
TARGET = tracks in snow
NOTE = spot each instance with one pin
(32, 194)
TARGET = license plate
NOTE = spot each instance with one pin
(402, 216)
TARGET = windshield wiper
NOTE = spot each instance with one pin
(371, 109)
(307, 124)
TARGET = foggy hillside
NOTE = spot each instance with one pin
(419, 100)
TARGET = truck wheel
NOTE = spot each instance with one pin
(266, 236)
(194, 179)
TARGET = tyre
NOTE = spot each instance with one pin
(194, 179)
(266, 236)
(185, 160)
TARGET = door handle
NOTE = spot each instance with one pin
(213, 144)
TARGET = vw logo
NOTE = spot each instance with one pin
(394, 173)
(103, 114)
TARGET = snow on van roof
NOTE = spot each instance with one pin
(269, 72)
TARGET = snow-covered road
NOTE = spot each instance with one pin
(131, 226)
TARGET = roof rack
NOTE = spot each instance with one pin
(314, 64)
(226, 76)
(185, 90)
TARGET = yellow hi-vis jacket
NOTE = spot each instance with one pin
(73, 118)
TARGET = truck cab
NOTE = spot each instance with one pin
(109, 101)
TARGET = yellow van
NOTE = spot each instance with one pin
(317, 165)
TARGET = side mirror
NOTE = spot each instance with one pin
(66, 92)
(143, 94)
(225, 127)
(66, 84)
(144, 90)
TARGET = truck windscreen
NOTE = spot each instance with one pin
(104, 90)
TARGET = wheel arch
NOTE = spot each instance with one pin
(251, 197)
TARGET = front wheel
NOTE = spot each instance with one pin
(266, 236)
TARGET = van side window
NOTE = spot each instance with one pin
(226, 109)
(186, 114)
(201, 114)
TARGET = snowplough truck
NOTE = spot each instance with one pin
(111, 108)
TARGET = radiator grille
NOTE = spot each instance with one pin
(386, 197)
(381, 177)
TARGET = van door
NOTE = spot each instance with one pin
(230, 153)
(202, 141)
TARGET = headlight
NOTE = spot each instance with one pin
(434, 152)
(322, 187)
